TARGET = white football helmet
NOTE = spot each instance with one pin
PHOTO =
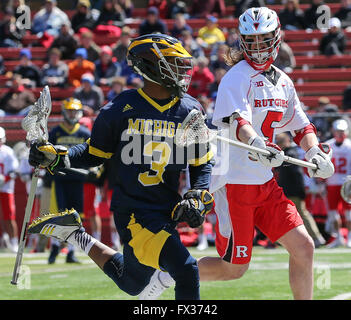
(259, 53)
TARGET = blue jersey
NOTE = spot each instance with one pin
(60, 135)
(137, 133)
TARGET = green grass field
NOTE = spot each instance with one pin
(267, 278)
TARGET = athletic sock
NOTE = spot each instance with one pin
(82, 240)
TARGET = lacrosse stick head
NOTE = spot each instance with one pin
(35, 123)
(345, 190)
(193, 130)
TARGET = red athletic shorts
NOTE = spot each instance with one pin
(240, 208)
(8, 206)
(334, 198)
(89, 199)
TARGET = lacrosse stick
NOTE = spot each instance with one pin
(35, 123)
(194, 130)
(345, 190)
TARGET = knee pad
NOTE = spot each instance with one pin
(189, 273)
(114, 267)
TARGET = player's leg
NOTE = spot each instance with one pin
(74, 195)
(300, 247)
(281, 222)
(308, 221)
(334, 218)
(89, 210)
(9, 214)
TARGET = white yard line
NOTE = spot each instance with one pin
(343, 296)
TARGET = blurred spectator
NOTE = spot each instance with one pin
(210, 34)
(106, 68)
(87, 42)
(232, 40)
(152, 23)
(311, 16)
(162, 7)
(127, 6)
(2, 66)
(201, 79)
(217, 59)
(89, 94)
(191, 45)
(334, 42)
(117, 86)
(17, 100)
(179, 26)
(66, 42)
(83, 17)
(344, 13)
(346, 101)
(10, 35)
(175, 7)
(326, 113)
(242, 5)
(201, 9)
(30, 73)
(55, 72)
(292, 17)
(291, 179)
(79, 66)
(96, 4)
(18, 7)
(285, 59)
(218, 74)
(49, 19)
(111, 14)
(120, 49)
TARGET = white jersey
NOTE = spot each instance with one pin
(8, 164)
(341, 159)
(271, 109)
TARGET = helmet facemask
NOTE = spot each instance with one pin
(176, 73)
(72, 116)
(261, 53)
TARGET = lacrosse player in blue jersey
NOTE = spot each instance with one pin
(136, 131)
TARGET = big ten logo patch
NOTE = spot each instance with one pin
(259, 84)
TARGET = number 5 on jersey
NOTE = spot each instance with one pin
(157, 166)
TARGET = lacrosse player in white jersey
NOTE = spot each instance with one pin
(341, 148)
(8, 169)
(256, 101)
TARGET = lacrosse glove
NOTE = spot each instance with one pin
(320, 155)
(193, 208)
(48, 156)
(275, 159)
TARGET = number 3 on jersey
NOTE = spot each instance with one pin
(266, 128)
(157, 166)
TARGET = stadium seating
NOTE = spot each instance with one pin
(314, 75)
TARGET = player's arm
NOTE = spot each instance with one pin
(244, 132)
(318, 153)
(89, 154)
(197, 202)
